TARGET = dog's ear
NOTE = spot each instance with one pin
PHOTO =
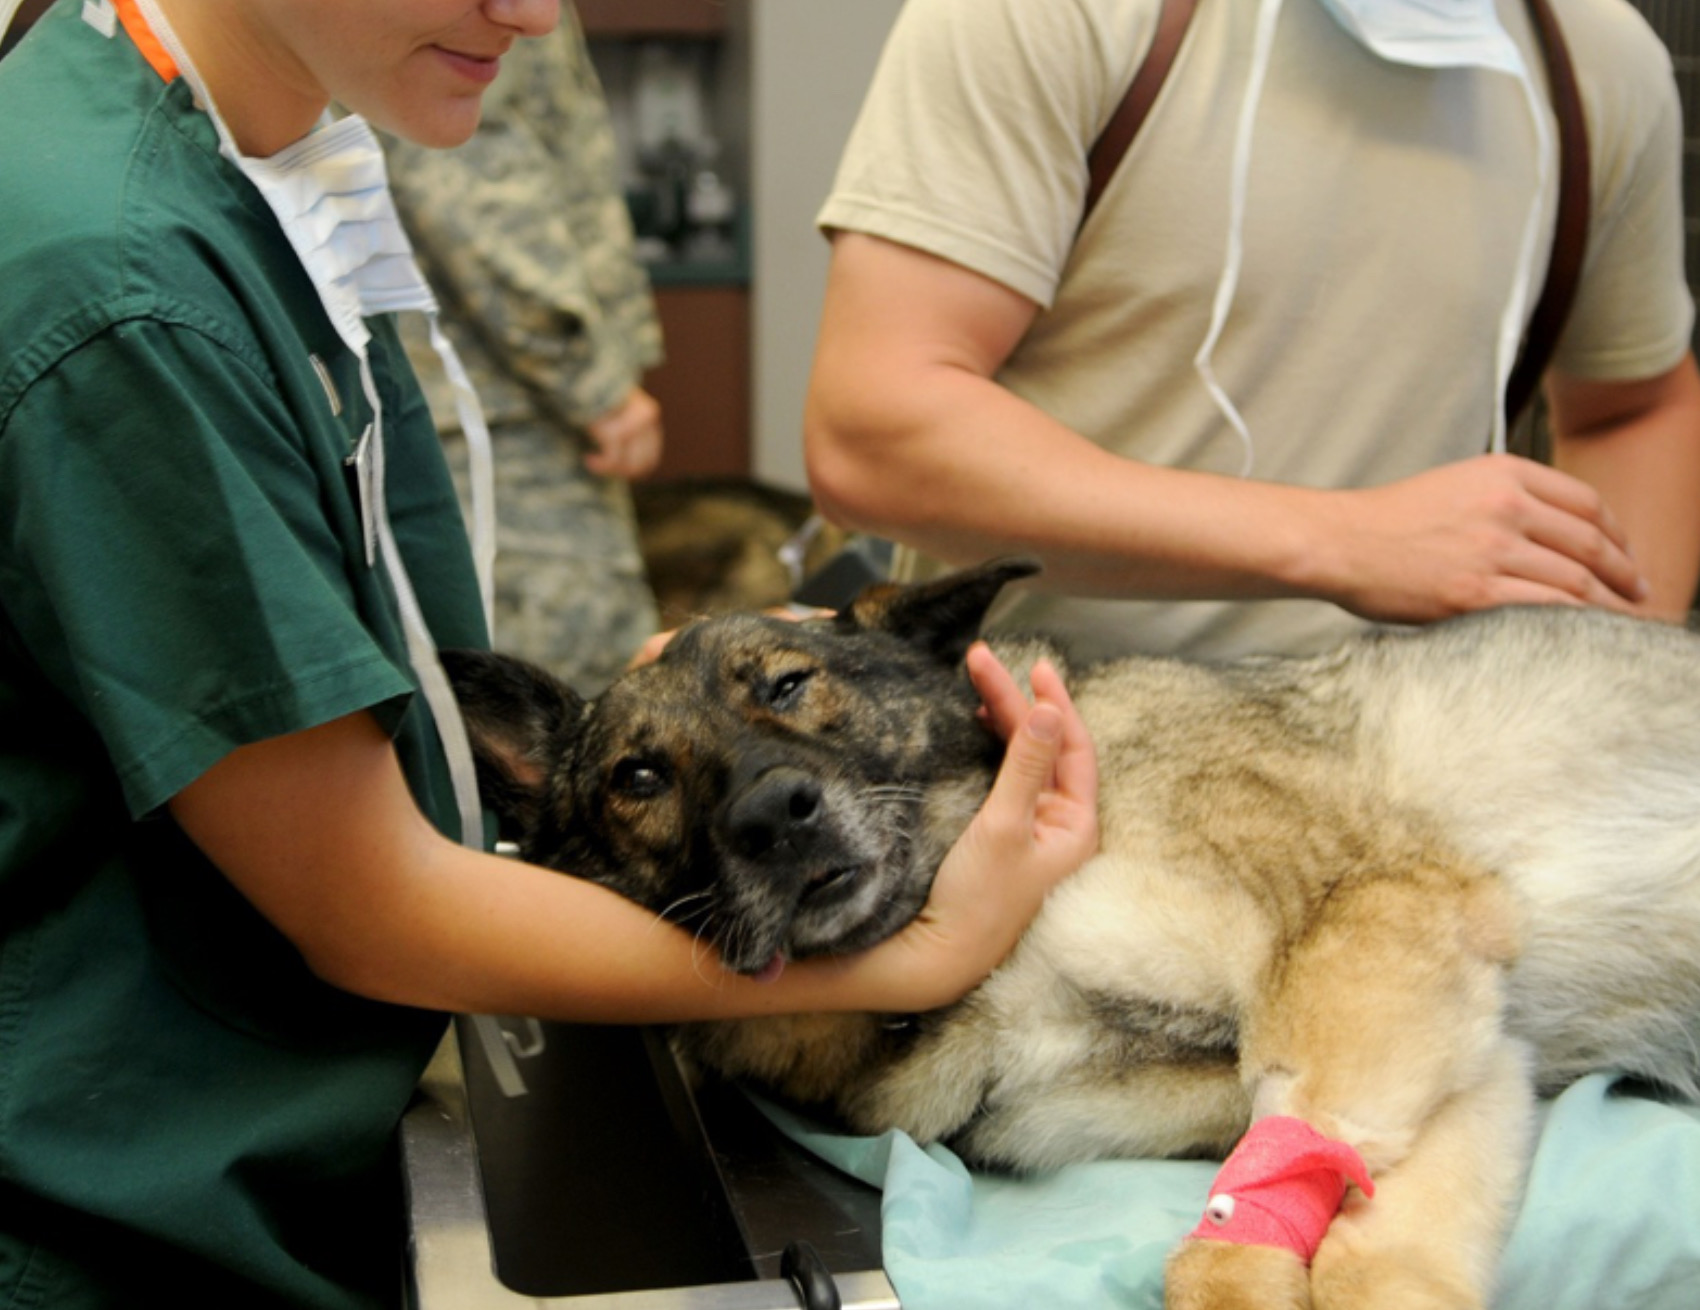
(520, 720)
(942, 617)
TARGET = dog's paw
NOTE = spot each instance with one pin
(1206, 1275)
(1347, 1279)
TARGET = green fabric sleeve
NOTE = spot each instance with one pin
(196, 598)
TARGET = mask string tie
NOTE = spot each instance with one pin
(1269, 11)
(481, 464)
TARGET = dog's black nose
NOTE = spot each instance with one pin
(776, 814)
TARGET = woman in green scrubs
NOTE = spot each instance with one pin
(233, 909)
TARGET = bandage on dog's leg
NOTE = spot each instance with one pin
(1281, 1187)
(1270, 1205)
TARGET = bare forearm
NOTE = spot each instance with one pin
(480, 934)
(1647, 469)
(957, 466)
(910, 436)
(383, 905)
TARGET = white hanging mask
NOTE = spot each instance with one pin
(1431, 33)
(330, 192)
(1423, 34)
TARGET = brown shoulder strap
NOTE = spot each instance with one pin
(1570, 239)
(1124, 124)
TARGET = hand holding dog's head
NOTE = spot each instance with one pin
(789, 788)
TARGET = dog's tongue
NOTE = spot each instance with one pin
(772, 969)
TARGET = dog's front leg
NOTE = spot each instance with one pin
(1427, 1240)
(1431, 1236)
(1378, 1030)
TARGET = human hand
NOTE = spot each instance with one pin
(627, 439)
(651, 649)
(1494, 530)
(1039, 824)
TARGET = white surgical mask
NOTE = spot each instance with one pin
(331, 195)
(1431, 33)
(1423, 34)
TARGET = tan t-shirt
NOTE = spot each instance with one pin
(1386, 206)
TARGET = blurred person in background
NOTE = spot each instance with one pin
(524, 235)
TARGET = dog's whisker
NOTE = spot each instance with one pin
(705, 912)
(672, 910)
(895, 791)
(698, 943)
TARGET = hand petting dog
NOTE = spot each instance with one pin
(1039, 824)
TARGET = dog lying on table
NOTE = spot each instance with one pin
(1367, 904)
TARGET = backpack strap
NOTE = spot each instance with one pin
(1570, 239)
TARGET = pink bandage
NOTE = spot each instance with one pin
(1282, 1187)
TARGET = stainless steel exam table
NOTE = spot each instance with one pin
(610, 1184)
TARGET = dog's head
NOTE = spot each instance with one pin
(785, 789)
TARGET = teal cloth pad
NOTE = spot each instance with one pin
(1611, 1219)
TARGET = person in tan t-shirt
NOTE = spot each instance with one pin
(993, 377)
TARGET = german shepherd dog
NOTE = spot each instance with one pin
(1393, 892)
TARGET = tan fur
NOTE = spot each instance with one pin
(1215, 1276)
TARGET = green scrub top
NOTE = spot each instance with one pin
(187, 1114)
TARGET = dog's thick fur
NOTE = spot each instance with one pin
(1394, 890)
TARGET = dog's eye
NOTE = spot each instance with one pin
(639, 778)
(785, 688)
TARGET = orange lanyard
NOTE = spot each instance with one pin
(158, 57)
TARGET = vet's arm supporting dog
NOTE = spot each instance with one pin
(320, 832)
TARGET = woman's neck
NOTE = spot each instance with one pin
(265, 95)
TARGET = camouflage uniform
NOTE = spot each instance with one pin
(524, 235)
